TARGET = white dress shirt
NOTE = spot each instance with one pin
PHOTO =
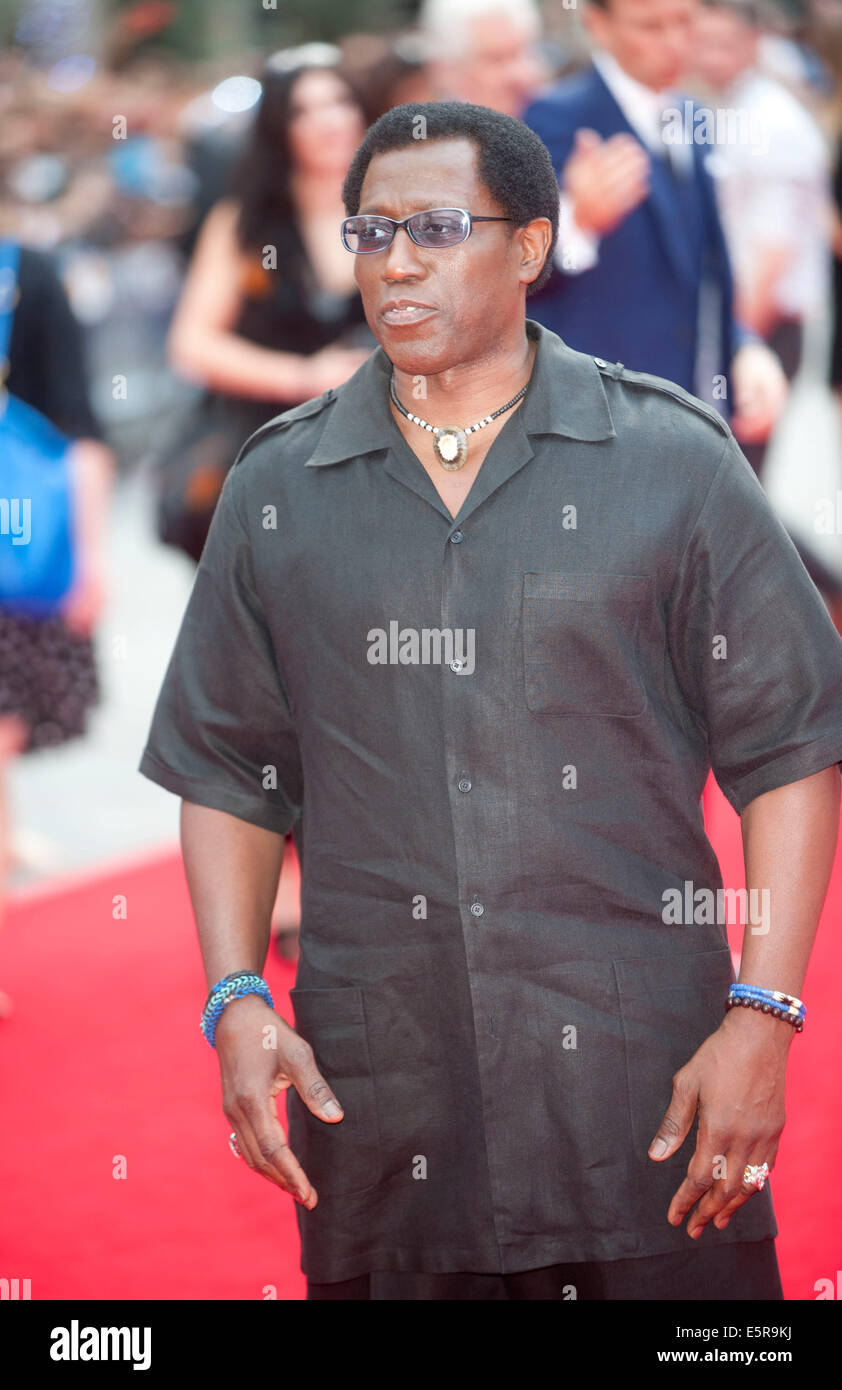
(652, 115)
(772, 178)
(643, 108)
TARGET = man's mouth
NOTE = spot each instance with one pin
(401, 311)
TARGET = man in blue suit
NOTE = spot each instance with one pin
(641, 271)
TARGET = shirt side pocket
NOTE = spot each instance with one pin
(669, 1005)
(345, 1156)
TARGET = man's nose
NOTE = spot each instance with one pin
(401, 261)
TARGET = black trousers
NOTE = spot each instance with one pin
(744, 1270)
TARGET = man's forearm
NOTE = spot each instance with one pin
(232, 870)
(789, 841)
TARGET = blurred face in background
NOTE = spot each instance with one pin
(724, 47)
(325, 123)
(652, 40)
(497, 64)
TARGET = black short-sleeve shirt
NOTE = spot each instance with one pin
(491, 734)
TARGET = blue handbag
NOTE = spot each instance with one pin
(36, 495)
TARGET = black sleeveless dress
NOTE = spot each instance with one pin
(292, 314)
(282, 312)
(48, 672)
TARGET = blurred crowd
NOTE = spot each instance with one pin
(181, 278)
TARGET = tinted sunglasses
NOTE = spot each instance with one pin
(435, 227)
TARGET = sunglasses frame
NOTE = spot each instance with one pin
(425, 212)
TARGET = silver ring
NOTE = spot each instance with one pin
(755, 1175)
(233, 1145)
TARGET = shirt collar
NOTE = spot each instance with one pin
(642, 106)
(566, 396)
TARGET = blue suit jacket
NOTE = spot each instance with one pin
(639, 303)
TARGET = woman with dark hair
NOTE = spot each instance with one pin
(270, 314)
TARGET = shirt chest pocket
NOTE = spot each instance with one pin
(581, 646)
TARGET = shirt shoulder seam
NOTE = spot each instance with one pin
(286, 418)
(668, 388)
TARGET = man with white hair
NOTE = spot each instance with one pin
(484, 51)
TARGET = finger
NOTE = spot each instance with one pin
(724, 1214)
(311, 1085)
(627, 184)
(612, 188)
(679, 1116)
(244, 1135)
(726, 1170)
(622, 183)
(586, 139)
(620, 156)
(623, 140)
(247, 1143)
(615, 180)
(699, 1180)
(243, 1114)
(268, 1147)
(762, 1153)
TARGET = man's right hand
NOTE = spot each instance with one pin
(259, 1056)
(605, 179)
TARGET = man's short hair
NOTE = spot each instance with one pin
(512, 162)
(446, 24)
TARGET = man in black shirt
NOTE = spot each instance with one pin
(483, 672)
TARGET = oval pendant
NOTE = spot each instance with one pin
(450, 446)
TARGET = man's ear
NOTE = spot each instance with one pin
(535, 240)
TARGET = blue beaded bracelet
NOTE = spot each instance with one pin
(235, 986)
(768, 1001)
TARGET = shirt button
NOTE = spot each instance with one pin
(599, 362)
(456, 664)
(477, 909)
(464, 784)
(456, 537)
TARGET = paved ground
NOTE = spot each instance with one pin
(88, 800)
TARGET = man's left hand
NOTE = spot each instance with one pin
(736, 1082)
(760, 392)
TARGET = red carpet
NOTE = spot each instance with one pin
(103, 1058)
(103, 1064)
(808, 1200)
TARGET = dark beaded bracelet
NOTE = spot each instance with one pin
(746, 1003)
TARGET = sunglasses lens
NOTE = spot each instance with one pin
(440, 227)
(364, 234)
